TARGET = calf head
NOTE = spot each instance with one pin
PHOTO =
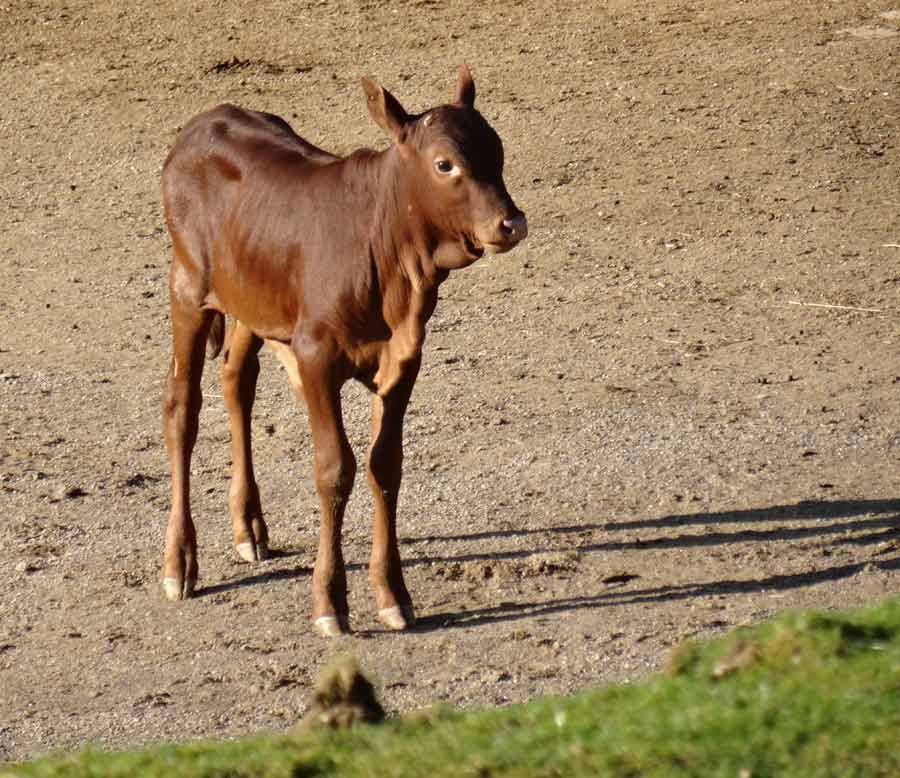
(452, 165)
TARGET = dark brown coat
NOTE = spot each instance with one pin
(336, 263)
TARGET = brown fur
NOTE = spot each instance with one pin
(337, 262)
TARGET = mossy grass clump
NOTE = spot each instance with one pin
(343, 696)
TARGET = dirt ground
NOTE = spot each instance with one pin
(636, 428)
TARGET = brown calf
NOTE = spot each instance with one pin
(335, 262)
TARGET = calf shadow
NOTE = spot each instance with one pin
(262, 576)
(876, 529)
(257, 579)
(508, 612)
(803, 510)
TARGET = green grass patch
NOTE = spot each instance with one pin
(804, 696)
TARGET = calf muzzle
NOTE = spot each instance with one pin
(515, 228)
(508, 232)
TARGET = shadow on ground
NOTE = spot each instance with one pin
(877, 520)
(660, 594)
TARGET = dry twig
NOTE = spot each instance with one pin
(838, 307)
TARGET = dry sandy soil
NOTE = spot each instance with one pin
(634, 429)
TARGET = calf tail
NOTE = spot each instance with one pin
(216, 336)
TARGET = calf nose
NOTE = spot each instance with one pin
(515, 227)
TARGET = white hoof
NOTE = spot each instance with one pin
(395, 618)
(328, 627)
(176, 590)
(252, 552)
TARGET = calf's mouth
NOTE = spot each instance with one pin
(473, 248)
(501, 248)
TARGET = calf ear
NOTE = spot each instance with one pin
(385, 110)
(465, 87)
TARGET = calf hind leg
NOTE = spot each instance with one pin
(181, 409)
(240, 369)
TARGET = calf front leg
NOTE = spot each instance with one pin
(385, 468)
(335, 469)
(240, 370)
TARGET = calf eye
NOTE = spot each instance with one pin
(444, 166)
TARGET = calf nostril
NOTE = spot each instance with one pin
(516, 227)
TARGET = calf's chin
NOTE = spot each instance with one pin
(454, 256)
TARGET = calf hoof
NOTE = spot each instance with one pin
(397, 618)
(329, 627)
(252, 552)
(177, 590)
